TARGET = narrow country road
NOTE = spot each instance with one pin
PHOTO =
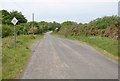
(57, 58)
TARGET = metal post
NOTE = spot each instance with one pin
(14, 21)
(14, 36)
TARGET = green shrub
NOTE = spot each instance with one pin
(7, 30)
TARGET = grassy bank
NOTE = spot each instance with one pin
(106, 46)
(0, 59)
(13, 59)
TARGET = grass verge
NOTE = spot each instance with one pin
(106, 46)
(14, 59)
(0, 59)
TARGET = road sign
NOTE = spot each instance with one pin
(14, 21)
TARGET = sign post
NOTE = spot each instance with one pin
(14, 21)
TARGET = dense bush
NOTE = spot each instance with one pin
(7, 30)
(30, 28)
(107, 26)
(24, 27)
(102, 23)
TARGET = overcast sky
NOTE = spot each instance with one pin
(62, 10)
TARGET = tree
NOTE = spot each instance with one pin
(6, 18)
(68, 24)
(54, 25)
(19, 16)
(43, 26)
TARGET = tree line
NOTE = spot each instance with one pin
(107, 26)
(24, 27)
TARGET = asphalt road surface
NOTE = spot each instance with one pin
(57, 58)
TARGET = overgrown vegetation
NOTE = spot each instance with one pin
(102, 33)
(24, 27)
(105, 45)
(107, 26)
(27, 28)
(13, 59)
(102, 23)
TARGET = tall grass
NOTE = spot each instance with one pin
(106, 46)
(13, 59)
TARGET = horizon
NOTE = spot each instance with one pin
(64, 10)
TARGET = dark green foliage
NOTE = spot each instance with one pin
(30, 28)
(8, 16)
(102, 23)
(67, 24)
(22, 27)
(7, 26)
(7, 30)
(53, 26)
(67, 27)
(43, 26)
(19, 16)
(107, 26)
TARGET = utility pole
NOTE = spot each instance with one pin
(33, 22)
